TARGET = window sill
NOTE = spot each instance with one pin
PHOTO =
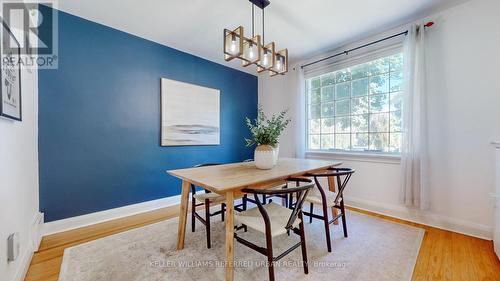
(353, 156)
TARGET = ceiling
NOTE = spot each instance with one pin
(304, 27)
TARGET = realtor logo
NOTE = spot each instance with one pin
(30, 29)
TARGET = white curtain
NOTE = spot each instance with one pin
(414, 160)
(298, 94)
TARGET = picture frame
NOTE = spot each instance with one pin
(10, 76)
(189, 114)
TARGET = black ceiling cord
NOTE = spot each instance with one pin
(253, 21)
(263, 29)
(261, 4)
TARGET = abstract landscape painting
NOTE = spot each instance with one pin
(190, 114)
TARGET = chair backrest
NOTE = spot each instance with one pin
(300, 191)
(193, 187)
(343, 175)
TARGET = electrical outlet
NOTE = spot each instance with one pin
(12, 247)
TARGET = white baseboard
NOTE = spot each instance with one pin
(423, 217)
(31, 246)
(24, 264)
(37, 231)
(102, 216)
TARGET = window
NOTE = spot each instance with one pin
(357, 108)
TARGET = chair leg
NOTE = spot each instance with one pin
(264, 199)
(207, 221)
(344, 223)
(327, 228)
(245, 202)
(269, 245)
(223, 211)
(311, 209)
(303, 244)
(193, 210)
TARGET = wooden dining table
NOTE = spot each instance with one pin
(229, 180)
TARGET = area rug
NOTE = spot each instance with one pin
(375, 250)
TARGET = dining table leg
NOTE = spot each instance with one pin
(183, 214)
(229, 236)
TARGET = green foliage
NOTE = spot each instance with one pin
(266, 131)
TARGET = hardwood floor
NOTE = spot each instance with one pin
(444, 255)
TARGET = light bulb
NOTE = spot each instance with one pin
(265, 59)
(279, 65)
(251, 52)
(233, 47)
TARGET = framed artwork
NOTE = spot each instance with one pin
(190, 114)
(10, 90)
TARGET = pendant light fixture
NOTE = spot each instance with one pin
(254, 50)
(233, 43)
(281, 65)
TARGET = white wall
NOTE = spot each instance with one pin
(464, 98)
(19, 180)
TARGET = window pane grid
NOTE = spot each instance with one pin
(357, 108)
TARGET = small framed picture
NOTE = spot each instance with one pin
(10, 90)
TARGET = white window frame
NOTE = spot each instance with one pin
(384, 157)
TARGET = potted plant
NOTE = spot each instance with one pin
(265, 134)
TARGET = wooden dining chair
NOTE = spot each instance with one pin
(328, 199)
(266, 197)
(274, 220)
(208, 199)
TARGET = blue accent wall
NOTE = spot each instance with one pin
(99, 119)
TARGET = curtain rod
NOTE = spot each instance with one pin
(428, 24)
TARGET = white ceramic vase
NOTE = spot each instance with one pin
(276, 154)
(264, 157)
